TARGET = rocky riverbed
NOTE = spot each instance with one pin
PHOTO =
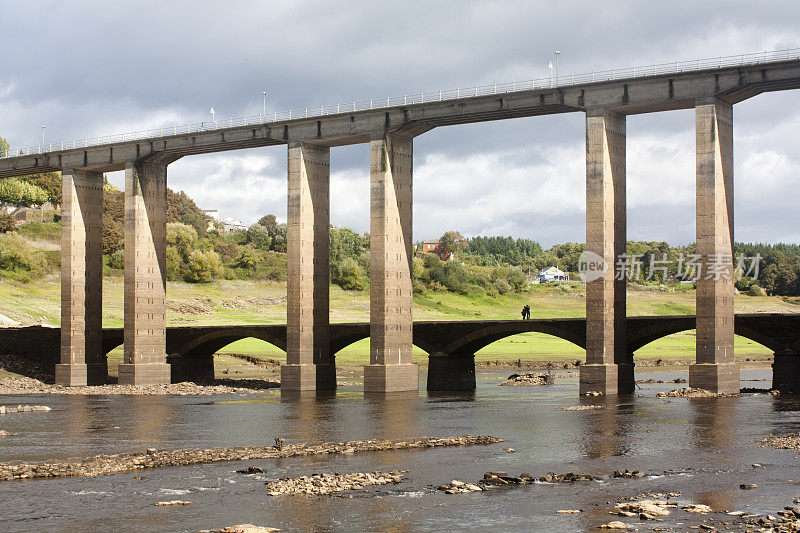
(637, 513)
(689, 392)
(113, 464)
(782, 442)
(332, 483)
(531, 379)
(22, 385)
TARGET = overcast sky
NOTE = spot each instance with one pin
(89, 68)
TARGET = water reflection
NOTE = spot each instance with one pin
(149, 419)
(607, 430)
(713, 422)
(393, 415)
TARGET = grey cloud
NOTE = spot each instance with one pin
(96, 67)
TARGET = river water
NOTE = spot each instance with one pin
(701, 448)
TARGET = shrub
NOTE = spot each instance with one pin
(173, 261)
(21, 262)
(755, 290)
(258, 236)
(202, 267)
(117, 260)
(7, 223)
(349, 275)
(502, 286)
(248, 259)
(272, 266)
(182, 237)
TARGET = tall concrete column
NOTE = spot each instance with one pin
(716, 368)
(309, 363)
(145, 275)
(608, 367)
(82, 358)
(391, 368)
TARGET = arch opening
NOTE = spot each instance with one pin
(356, 353)
(533, 349)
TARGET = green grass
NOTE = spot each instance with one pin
(46, 231)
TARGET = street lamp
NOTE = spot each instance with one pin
(43, 127)
(557, 53)
(265, 104)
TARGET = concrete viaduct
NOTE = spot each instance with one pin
(711, 92)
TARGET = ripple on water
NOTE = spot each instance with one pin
(174, 492)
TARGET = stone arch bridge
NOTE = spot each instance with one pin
(451, 345)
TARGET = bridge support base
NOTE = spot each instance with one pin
(308, 377)
(79, 375)
(626, 383)
(391, 378)
(144, 374)
(786, 373)
(451, 372)
(599, 378)
(715, 377)
(198, 369)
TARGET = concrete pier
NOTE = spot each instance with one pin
(309, 363)
(391, 368)
(716, 369)
(145, 275)
(608, 368)
(82, 359)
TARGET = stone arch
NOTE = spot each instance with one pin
(640, 335)
(210, 342)
(481, 337)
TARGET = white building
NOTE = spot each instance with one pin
(231, 225)
(552, 274)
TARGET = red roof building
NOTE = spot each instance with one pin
(436, 249)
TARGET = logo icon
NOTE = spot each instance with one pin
(591, 266)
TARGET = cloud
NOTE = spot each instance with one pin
(121, 67)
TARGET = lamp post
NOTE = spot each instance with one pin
(557, 53)
(43, 127)
(265, 104)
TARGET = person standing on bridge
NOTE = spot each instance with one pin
(526, 312)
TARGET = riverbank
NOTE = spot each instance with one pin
(100, 465)
(18, 385)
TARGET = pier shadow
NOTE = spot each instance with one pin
(606, 428)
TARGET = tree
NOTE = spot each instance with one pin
(20, 193)
(259, 237)
(50, 182)
(453, 242)
(202, 267)
(183, 237)
(113, 218)
(279, 240)
(269, 222)
(3, 146)
(181, 208)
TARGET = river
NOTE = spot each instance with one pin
(701, 448)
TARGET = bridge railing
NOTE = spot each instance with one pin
(419, 98)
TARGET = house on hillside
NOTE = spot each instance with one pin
(231, 225)
(552, 273)
(212, 217)
(435, 248)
